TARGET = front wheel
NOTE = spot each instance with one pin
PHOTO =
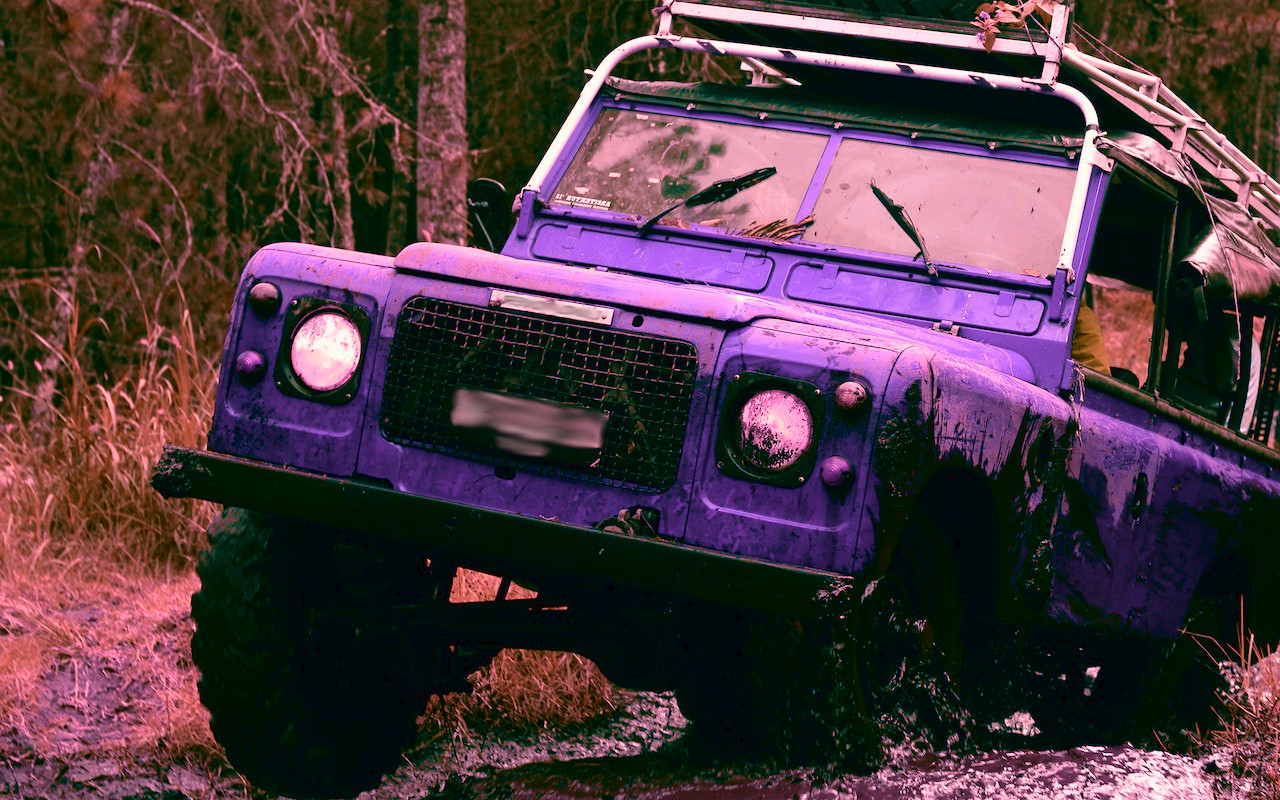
(305, 704)
(782, 691)
(909, 642)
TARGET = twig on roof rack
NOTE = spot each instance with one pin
(990, 16)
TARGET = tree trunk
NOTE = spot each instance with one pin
(442, 121)
(400, 88)
(345, 233)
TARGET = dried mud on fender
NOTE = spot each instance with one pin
(1030, 487)
(902, 458)
(1028, 477)
(919, 704)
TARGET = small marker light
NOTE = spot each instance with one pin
(851, 396)
(264, 298)
(836, 471)
(251, 366)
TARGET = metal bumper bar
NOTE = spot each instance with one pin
(531, 548)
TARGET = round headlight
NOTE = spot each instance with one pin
(325, 352)
(777, 429)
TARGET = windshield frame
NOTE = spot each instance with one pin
(836, 134)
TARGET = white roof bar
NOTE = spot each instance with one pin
(842, 27)
(1057, 40)
(1187, 132)
(758, 67)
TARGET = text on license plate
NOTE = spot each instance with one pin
(529, 427)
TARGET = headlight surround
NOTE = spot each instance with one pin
(769, 429)
(322, 349)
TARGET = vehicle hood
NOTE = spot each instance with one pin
(726, 308)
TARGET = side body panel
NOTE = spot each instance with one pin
(1108, 514)
(1156, 498)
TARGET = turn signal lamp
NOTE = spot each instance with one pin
(852, 396)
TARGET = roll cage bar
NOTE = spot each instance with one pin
(1141, 92)
(1089, 154)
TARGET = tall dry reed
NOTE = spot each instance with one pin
(1248, 735)
(77, 484)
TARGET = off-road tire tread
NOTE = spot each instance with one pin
(303, 716)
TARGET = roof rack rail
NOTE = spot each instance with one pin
(944, 23)
(936, 22)
(1188, 133)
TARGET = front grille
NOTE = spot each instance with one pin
(644, 384)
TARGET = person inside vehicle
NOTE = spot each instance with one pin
(1087, 346)
(1210, 364)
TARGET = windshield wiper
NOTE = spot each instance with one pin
(715, 193)
(901, 217)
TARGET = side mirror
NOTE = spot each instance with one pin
(488, 213)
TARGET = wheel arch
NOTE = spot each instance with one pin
(962, 501)
(955, 520)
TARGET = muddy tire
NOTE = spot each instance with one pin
(1180, 692)
(302, 708)
(783, 693)
(724, 691)
(910, 641)
(1160, 693)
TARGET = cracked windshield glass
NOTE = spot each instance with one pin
(641, 163)
(971, 210)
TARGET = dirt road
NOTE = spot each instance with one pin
(108, 712)
(640, 754)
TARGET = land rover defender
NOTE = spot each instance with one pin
(944, 331)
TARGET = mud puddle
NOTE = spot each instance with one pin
(650, 751)
(103, 718)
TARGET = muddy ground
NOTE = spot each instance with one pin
(90, 732)
(640, 755)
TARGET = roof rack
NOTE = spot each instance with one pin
(944, 23)
(1186, 132)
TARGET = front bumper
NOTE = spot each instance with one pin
(530, 548)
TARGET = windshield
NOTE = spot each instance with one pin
(640, 163)
(974, 210)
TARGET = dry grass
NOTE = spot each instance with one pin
(97, 666)
(95, 567)
(1126, 318)
(77, 486)
(96, 573)
(525, 688)
(1249, 734)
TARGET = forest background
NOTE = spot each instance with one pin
(147, 149)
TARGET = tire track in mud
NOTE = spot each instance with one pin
(646, 753)
(1081, 773)
(82, 743)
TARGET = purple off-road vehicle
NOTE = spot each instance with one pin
(927, 353)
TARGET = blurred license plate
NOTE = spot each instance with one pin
(527, 427)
